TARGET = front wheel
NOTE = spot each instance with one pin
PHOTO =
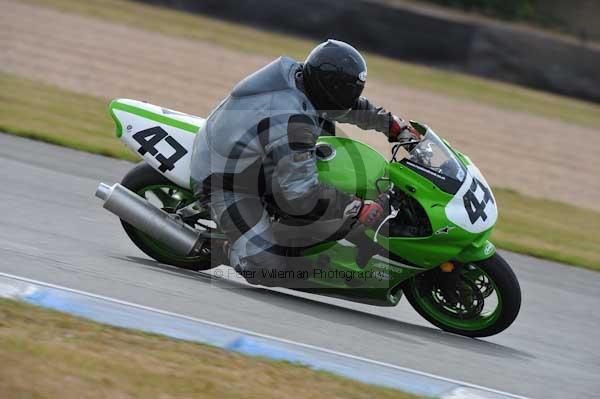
(475, 300)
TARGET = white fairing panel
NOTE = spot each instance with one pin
(473, 208)
(158, 136)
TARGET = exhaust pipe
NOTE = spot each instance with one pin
(166, 228)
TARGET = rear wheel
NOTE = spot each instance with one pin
(476, 300)
(166, 195)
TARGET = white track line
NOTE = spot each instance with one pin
(265, 336)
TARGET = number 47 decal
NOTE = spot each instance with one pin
(149, 138)
(474, 207)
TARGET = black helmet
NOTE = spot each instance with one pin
(334, 76)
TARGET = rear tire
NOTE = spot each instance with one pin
(138, 180)
(503, 282)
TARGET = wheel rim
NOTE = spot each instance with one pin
(479, 305)
(169, 198)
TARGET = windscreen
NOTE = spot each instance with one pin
(433, 159)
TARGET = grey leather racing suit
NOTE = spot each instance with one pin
(260, 143)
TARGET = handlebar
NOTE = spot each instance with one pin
(397, 147)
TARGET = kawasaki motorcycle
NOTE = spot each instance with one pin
(433, 247)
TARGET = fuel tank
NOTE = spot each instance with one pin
(349, 165)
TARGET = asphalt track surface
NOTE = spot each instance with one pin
(52, 229)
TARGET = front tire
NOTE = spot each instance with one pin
(462, 309)
(145, 181)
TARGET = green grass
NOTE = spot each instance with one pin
(47, 354)
(538, 227)
(255, 41)
(548, 229)
(43, 112)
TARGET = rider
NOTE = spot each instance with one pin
(260, 143)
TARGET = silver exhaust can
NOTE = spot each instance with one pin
(166, 228)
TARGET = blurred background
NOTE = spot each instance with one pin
(549, 45)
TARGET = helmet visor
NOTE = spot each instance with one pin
(341, 91)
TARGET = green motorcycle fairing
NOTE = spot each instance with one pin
(452, 195)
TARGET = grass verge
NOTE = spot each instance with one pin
(43, 112)
(47, 354)
(538, 227)
(251, 40)
(547, 229)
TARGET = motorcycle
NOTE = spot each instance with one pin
(433, 246)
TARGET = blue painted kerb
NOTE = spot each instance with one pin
(108, 311)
